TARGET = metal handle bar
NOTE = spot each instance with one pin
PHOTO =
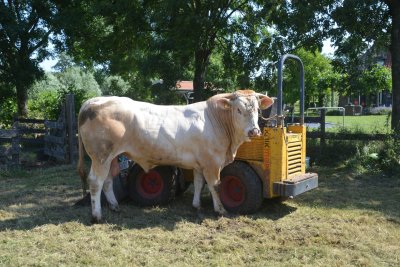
(280, 85)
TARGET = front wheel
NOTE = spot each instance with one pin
(156, 187)
(241, 188)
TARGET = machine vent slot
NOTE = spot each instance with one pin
(294, 157)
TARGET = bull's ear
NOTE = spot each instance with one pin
(264, 101)
(224, 103)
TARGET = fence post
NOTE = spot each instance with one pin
(15, 149)
(71, 124)
(323, 126)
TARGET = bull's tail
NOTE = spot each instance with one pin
(81, 165)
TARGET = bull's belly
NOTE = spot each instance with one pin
(166, 155)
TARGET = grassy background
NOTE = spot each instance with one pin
(366, 124)
(350, 220)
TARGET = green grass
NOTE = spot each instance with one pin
(365, 124)
(349, 220)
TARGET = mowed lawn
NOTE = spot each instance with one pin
(365, 124)
(349, 220)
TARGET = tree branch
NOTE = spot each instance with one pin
(41, 42)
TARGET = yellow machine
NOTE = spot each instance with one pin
(270, 166)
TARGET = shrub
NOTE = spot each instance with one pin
(44, 105)
(333, 153)
(378, 111)
(360, 156)
(334, 113)
(389, 156)
(7, 111)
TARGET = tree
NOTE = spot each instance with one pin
(317, 69)
(374, 80)
(48, 94)
(169, 39)
(114, 85)
(353, 26)
(25, 30)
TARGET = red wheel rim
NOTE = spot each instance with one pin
(150, 185)
(233, 191)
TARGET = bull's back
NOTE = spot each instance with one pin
(168, 135)
(147, 132)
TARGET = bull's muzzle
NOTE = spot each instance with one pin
(254, 132)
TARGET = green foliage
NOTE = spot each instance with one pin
(320, 78)
(333, 153)
(7, 111)
(334, 113)
(45, 104)
(25, 30)
(354, 27)
(359, 156)
(114, 85)
(223, 43)
(389, 156)
(375, 79)
(383, 156)
(48, 95)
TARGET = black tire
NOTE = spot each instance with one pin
(181, 185)
(240, 189)
(155, 188)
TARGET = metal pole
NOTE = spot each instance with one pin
(280, 86)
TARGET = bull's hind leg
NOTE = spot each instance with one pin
(212, 179)
(95, 186)
(96, 181)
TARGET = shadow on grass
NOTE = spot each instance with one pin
(31, 213)
(29, 202)
(342, 188)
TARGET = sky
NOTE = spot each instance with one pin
(327, 50)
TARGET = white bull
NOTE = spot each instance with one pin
(203, 136)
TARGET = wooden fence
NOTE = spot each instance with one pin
(54, 138)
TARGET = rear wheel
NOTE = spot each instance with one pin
(241, 188)
(157, 187)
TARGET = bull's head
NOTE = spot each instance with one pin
(244, 105)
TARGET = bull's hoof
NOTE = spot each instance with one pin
(200, 214)
(221, 211)
(96, 220)
(114, 208)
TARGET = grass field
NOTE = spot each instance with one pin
(365, 124)
(349, 220)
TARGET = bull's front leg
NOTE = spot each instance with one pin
(110, 196)
(213, 181)
(198, 183)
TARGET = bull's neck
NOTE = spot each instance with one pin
(224, 127)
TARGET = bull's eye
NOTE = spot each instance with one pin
(239, 111)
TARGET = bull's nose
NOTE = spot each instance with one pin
(254, 132)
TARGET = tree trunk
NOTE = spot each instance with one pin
(321, 100)
(201, 58)
(395, 51)
(22, 99)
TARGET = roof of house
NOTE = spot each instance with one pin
(184, 85)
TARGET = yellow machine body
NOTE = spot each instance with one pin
(278, 156)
